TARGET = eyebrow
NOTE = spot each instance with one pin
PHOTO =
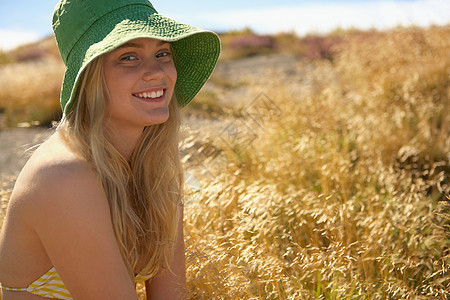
(138, 45)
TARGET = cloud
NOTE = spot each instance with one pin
(11, 38)
(324, 17)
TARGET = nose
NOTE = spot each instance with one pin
(152, 70)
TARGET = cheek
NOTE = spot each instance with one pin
(172, 73)
(119, 84)
(173, 81)
(115, 89)
(110, 81)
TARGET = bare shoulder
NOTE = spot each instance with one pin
(54, 180)
(53, 159)
(59, 196)
(55, 169)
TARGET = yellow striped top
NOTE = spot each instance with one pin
(50, 285)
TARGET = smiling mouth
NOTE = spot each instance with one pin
(150, 95)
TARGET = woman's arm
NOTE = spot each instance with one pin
(168, 285)
(67, 208)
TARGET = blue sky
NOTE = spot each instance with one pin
(29, 20)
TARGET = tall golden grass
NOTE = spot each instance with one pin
(340, 191)
(30, 83)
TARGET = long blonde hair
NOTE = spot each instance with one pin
(145, 193)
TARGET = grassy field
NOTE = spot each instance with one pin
(335, 189)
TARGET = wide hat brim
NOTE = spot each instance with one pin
(195, 51)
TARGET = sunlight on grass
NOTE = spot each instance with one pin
(337, 192)
(343, 194)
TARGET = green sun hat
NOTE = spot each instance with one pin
(86, 29)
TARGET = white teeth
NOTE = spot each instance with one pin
(151, 95)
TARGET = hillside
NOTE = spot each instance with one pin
(36, 69)
(316, 167)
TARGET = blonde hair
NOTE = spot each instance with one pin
(145, 193)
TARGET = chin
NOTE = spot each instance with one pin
(158, 118)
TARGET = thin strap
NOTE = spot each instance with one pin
(142, 278)
(12, 289)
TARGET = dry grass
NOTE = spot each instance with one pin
(342, 195)
(340, 192)
(29, 91)
(30, 82)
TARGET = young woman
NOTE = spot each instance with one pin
(98, 206)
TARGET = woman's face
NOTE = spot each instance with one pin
(140, 76)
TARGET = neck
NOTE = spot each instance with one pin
(125, 141)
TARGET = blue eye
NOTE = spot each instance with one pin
(163, 54)
(128, 57)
